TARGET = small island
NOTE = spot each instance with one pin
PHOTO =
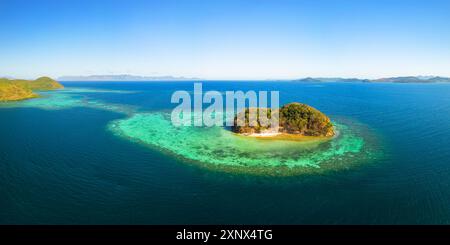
(14, 90)
(297, 121)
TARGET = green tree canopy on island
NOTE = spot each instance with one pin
(294, 118)
(297, 118)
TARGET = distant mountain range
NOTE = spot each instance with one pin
(409, 79)
(124, 77)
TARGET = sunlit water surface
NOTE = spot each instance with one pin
(106, 153)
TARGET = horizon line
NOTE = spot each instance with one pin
(187, 78)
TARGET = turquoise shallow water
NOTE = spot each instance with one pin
(218, 148)
(106, 153)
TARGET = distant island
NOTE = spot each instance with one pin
(296, 121)
(408, 79)
(16, 89)
(123, 77)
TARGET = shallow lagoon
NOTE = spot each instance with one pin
(220, 149)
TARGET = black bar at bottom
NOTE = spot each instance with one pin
(223, 234)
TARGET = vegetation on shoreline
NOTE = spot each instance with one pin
(295, 119)
(13, 90)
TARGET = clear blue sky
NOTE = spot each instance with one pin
(245, 39)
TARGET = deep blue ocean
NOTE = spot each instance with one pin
(64, 167)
